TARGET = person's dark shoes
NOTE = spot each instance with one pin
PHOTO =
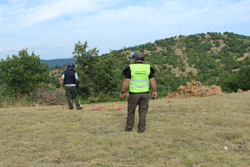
(141, 131)
(71, 108)
(78, 107)
(128, 130)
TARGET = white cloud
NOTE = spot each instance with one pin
(50, 10)
(12, 49)
(39, 47)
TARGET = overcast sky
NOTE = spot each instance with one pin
(51, 28)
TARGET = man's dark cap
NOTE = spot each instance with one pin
(137, 55)
(71, 65)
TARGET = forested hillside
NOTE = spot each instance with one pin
(212, 58)
(207, 58)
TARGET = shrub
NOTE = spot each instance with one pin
(49, 97)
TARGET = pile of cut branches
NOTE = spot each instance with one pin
(195, 89)
(49, 97)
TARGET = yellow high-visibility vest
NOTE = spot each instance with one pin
(139, 81)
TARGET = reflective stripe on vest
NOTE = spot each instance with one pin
(139, 81)
(135, 86)
(133, 80)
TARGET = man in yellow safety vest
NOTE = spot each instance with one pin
(137, 76)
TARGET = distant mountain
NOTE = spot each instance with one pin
(57, 62)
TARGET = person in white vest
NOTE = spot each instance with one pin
(70, 80)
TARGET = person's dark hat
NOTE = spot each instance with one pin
(71, 65)
(137, 55)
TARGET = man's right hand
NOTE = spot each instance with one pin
(77, 83)
(61, 88)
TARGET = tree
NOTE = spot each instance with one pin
(244, 78)
(1, 78)
(106, 77)
(23, 73)
(96, 76)
(87, 68)
(229, 82)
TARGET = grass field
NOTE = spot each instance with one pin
(180, 132)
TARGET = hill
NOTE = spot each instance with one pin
(182, 54)
(201, 57)
(180, 132)
(189, 53)
(212, 59)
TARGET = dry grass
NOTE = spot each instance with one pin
(180, 132)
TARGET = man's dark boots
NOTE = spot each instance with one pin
(78, 107)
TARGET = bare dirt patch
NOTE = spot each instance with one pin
(243, 58)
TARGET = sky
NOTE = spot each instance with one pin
(51, 28)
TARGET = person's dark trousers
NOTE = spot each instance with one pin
(142, 100)
(71, 93)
